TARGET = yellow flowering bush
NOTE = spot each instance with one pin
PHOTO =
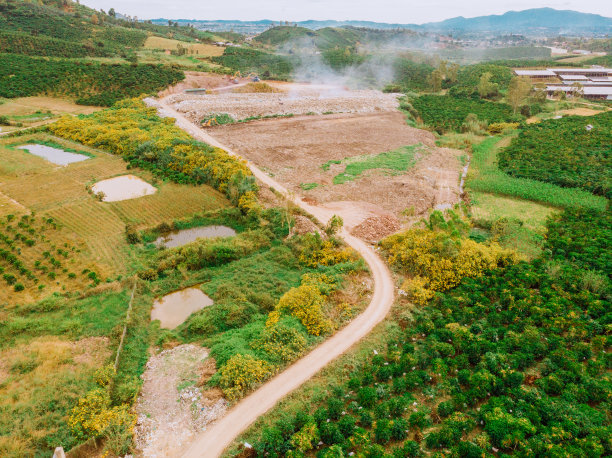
(305, 303)
(441, 260)
(104, 375)
(93, 416)
(328, 255)
(134, 131)
(416, 291)
(282, 342)
(306, 438)
(241, 373)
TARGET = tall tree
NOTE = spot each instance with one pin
(518, 90)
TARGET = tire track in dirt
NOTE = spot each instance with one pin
(213, 441)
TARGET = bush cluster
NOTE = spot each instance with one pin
(91, 83)
(446, 113)
(515, 362)
(564, 152)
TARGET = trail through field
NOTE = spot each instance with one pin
(214, 440)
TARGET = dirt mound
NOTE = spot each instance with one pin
(376, 227)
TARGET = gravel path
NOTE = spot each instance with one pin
(216, 438)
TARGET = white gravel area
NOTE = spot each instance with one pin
(297, 100)
(170, 408)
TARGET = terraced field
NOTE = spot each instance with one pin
(29, 183)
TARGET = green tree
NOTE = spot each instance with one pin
(518, 90)
(486, 88)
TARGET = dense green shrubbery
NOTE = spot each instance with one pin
(514, 362)
(563, 152)
(22, 43)
(584, 237)
(247, 60)
(42, 23)
(445, 113)
(485, 176)
(468, 79)
(339, 58)
(411, 75)
(91, 83)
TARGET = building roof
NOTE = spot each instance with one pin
(580, 70)
(574, 77)
(586, 90)
(597, 90)
(535, 72)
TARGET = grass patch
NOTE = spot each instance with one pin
(308, 186)
(491, 207)
(485, 176)
(217, 119)
(395, 161)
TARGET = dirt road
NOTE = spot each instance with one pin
(213, 441)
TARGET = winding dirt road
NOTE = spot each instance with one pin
(215, 439)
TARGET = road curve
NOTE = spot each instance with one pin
(216, 438)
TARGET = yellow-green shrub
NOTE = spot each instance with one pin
(305, 303)
(93, 415)
(306, 438)
(441, 260)
(328, 255)
(282, 342)
(241, 373)
(501, 127)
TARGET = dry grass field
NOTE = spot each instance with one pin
(200, 49)
(29, 183)
(24, 106)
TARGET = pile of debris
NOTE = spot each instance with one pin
(374, 228)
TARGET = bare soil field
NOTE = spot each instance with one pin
(293, 151)
(294, 99)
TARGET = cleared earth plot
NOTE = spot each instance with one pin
(375, 158)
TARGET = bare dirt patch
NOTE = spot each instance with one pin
(293, 150)
(293, 99)
(199, 80)
(171, 408)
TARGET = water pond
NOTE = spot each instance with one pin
(123, 188)
(174, 308)
(179, 238)
(55, 155)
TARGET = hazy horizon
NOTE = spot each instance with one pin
(389, 11)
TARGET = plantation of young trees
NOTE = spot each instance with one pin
(91, 83)
(564, 152)
(267, 65)
(446, 113)
(515, 361)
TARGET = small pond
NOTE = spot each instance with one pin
(178, 238)
(55, 155)
(123, 188)
(174, 308)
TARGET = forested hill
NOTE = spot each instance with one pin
(68, 29)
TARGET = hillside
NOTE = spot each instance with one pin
(536, 20)
(278, 36)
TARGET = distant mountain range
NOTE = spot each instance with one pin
(537, 21)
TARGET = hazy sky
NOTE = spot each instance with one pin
(395, 11)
